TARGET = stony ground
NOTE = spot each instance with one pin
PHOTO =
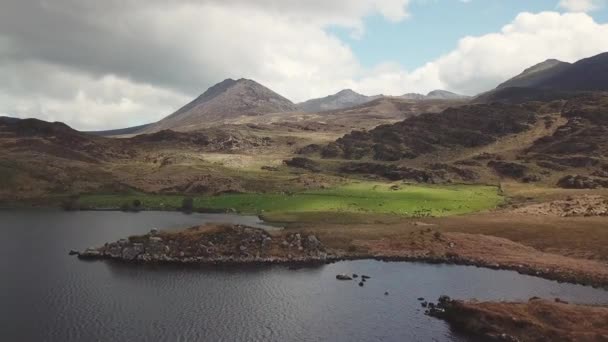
(585, 205)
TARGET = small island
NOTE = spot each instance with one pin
(214, 244)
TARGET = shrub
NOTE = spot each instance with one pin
(126, 207)
(188, 204)
(70, 203)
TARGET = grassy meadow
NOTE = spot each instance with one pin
(354, 198)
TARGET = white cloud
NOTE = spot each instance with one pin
(34, 89)
(581, 5)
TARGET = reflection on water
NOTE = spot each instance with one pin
(48, 295)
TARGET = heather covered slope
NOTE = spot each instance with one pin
(530, 142)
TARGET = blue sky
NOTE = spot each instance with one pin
(435, 27)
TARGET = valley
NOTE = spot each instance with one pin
(498, 181)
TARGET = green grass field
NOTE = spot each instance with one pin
(359, 198)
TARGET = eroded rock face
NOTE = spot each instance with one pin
(436, 173)
(213, 244)
(508, 169)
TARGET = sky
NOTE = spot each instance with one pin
(116, 63)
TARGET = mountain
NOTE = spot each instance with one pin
(589, 74)
(344, 99)
(536, 74)
(550, 80)
(229, 99)
(434, 95)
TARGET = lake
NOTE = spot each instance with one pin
(47, 295)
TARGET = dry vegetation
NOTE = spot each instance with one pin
(537, 320)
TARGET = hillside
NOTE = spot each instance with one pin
(560, 143)
(224, 101)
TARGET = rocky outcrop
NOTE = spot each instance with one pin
(581, 182)
(214, 245)
(303, 163)
(435, 173)
(508, 169)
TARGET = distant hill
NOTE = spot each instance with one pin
(346, 98)
(226, 100)
(444, 95)
(120, 131)
(7, 119)
(434, 95)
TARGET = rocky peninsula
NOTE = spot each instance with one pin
(238, 244)
(535, 320)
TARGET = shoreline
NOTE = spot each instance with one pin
(303, 263)
(227, 245)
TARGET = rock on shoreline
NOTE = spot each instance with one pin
(213, 244)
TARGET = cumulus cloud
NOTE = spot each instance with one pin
(480, 63)
(581, 5)
(109, 64)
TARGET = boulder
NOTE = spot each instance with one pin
(303, 163)
(131, 253)
(343, 276)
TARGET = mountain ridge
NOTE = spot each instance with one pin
(345, 98)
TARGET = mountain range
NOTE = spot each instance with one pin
(232, 101)
(556, 138)
(243, 100)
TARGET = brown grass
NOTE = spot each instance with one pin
(536, 320)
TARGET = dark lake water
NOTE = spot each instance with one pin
(46, 295)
